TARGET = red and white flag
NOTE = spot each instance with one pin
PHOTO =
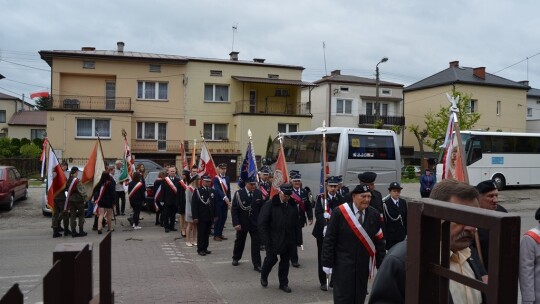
(206, 164)
(183, 153)
(43, 157)
(93, 169)
(39, 94)
(129, 160)
(56, 179)
(281, 175)
(452, 160)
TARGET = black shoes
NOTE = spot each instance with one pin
(67, 232)
(130, 220)
(173, 229)
(99, 231)
(202, 253)
(82, 233)
(167, 230)
(257, 268)
(207, 251)
(74, 234)
(285, 288)
(235, 262)
(295, 264)
(264, 282)
(56, 234)
(323, 287)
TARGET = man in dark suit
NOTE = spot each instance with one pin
(173, 192)
(305, 210)
(203, 210)
(395, 216)
(246, 206)
(353, 243)
(222, 188)
(264, 184)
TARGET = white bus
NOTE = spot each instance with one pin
(349, 151)
(507, 158)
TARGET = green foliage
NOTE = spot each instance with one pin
(378, 124)
(25, 141)
(410, 172)
(5, 147)
(38, 142)
(30, 150)
(44, 103)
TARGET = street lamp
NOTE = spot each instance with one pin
(385, 59)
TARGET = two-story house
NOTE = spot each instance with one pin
(9, 106)
(533, 110)
(162, 100)
(500, 101)
(350, 101)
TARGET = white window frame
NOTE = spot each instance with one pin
(383, 108)
(529, 112)
(214, 85)
(386, 91)
(3, 116)
(89, 64)
(143, 125)
(287, 127)
(344, 106)
(472, 107)
(213, 132)
(154, 68)
(37, 133)
(499, 107)
(156, 85)
(93, 135)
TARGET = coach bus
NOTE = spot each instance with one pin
(349, 151)
(507, 158)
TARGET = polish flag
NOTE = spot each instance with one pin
(56, 179)
(39, 94)
(43, 157)
(206, 164)
(281, 175)
(93, 169)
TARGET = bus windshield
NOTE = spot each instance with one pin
(305, 149)
(371, 147)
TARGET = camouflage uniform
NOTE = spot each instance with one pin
(76, 207)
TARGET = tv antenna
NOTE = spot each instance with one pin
(234, 29)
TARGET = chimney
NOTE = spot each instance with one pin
(454, 64)
(480, 72)
(259, 60)
(120, 46)
(88, 48)
(524, 82)
(335, 73)
(234, 55)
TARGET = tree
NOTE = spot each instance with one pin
(44, 103)
(5, 147)
(421, 137)
(30, 151)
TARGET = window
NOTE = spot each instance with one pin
(2, 115)
(344, 106)
(89, 64)
(93, 128)
(306, 149)
(498, 107)
(384, 109)
(152, 90)
(216, 93)
(529, 112)
(37, 133)
(155, 68)
(371, 147)
(370, 109)
(286, 128)
(153, 131)
(282, 92)
(472, 107)
(344, 89)
(215, 131)
(386, 92)
(216, 73)
(273, 76)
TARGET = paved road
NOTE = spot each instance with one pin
(150, 266)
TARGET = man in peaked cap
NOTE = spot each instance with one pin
(264, 184)
(395, 216)
(342, 189)
(305, 210)
(222, 189)
(203, 209)
(279, 231)
(368, 178)
(488, 199)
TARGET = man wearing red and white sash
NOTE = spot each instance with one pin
(353, 245)
(173, 192)
(136, 190)
(75, 200)
(529, 264)
(264, 183)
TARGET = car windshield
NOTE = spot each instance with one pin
(151, 177)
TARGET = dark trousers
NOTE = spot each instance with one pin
(159, 218)
(76, 211)
(136, 212)
(221, 210)
(240, 243)
(203, 234)
(283, 271)
(322, 274)
(120, 196)
(425, 193)
(294, 256)
(168, 216)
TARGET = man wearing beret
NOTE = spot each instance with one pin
(368, 178)
(395, 216)
(353, 246)
(75, 202)
(279, 231)
(529, 267)
(488, 199)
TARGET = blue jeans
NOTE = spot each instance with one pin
(221, 214)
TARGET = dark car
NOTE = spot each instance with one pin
(149, 165)
(150, 179)
(12, 186)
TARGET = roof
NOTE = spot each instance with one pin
(533, 93)
(274, 81)
(8, 97)
(355, 80)
(29, 118)
(463, 75)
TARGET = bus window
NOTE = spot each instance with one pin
(371, 147)
(305, 149)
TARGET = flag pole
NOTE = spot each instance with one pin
(324, 164)
(214, 164)
(193, 154)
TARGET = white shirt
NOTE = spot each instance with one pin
(462, 294)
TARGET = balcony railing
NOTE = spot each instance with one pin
(173, 146)
(272, 105)
(388, 120)
(79, 102)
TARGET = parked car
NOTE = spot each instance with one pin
(44, 208)
(405, 170)
(149, 165)
(150, 179)
(12, 186)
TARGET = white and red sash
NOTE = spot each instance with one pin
(157, 197)
(134, 190)
(264, 192)
(299, 201)
(171, 184)
(223, 182)
(101, 192)
(72, 186)
(535, 234)
(361, 234)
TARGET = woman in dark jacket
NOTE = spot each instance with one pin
(136, 193)
(104, 194)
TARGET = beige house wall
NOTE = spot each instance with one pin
(23, 131)
(10, 106)
(510, 119)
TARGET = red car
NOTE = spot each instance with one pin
(12, 186)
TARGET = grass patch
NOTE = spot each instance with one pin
(406, 180)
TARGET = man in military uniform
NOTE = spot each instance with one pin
(246, 206)
(395, 216)
(264, 184)
(75, 199)
(323, 213)
(203, 210)
(59, 214)
(305, 210)
(342, 189)
(369, 178)
(222, 190)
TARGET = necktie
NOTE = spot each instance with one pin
(397, 203)
(250, 195)
(359, 216)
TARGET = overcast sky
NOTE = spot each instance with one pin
(419, 37)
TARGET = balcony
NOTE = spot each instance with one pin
(272, 105)
(173, 146)
(91, 103)
(388, 120)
